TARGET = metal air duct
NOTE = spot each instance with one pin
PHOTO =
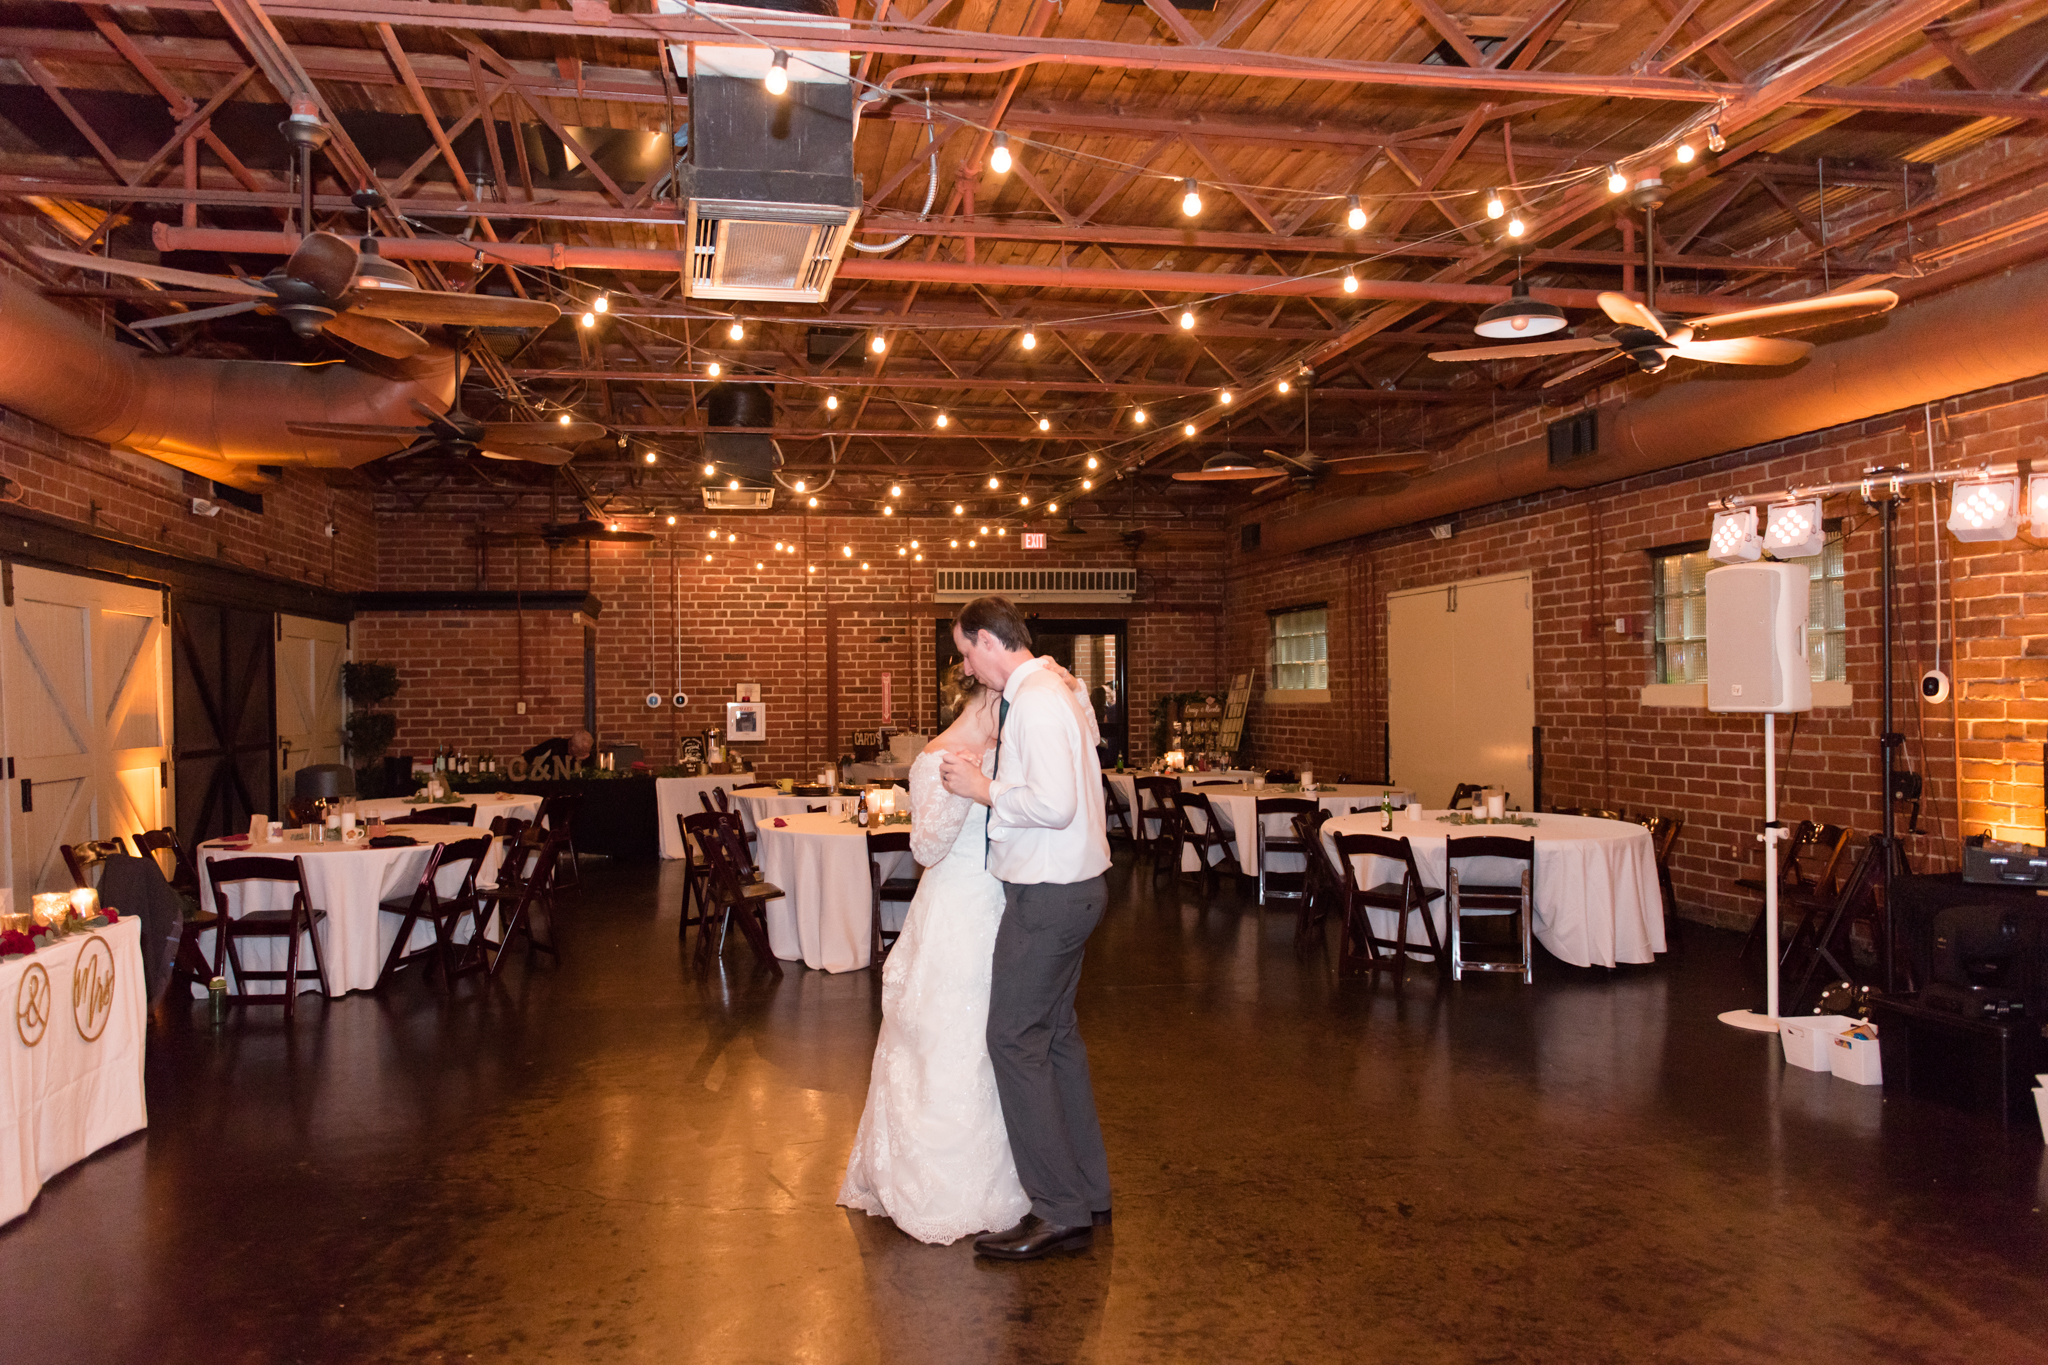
(749, 458)
(1970, 337)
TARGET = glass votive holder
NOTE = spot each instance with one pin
(85, 902)
(52, 906)
(16, 922)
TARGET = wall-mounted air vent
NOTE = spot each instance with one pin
(739, 499)
(1037, 585)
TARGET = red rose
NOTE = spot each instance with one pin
(39, 931)
(110, 914)
(781, 823)
(13, 943)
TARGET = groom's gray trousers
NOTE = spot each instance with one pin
(1040, 1062)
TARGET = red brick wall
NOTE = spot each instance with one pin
(1587, 556)
(769, 626)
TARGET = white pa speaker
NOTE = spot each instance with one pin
(1756, 638)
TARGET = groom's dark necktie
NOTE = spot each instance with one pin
(1002, 717)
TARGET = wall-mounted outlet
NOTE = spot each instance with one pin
(522, 708)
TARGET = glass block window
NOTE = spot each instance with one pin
(1678, 587)
(1301, 650)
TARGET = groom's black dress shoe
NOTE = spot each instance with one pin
(1032, 1238)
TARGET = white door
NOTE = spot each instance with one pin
(1461, 699)
(87, 705)
(310, 709)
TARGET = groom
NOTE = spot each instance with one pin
(1047, 845)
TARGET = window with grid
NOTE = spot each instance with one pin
(1678, 586)
(1301, 650)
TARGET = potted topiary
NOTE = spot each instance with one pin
(369, 732)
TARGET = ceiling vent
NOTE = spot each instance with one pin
(769, 192)
(746, 458)
(1036, 585)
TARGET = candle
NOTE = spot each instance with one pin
(85, 902)
(1308, 779)
(52, 906)
(1496, 805)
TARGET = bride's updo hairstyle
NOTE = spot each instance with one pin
(961, 689)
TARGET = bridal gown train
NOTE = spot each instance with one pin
(932, 1152)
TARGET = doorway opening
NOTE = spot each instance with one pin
(1095, 651)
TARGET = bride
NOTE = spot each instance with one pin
(932, 1152)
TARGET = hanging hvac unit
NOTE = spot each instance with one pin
(768, 187)
(746, 458)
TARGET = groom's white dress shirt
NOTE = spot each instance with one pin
(1046, 820)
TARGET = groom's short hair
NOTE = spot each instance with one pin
(999, 617)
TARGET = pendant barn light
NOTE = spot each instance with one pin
(1520, 316)
(1795, 530)
(777, 79)
(1735, 540)
(1354, 215)
(1191, 197)
(1988, 509)
(999, 156)
(1494, 207)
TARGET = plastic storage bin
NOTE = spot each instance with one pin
(1858, 1060)
(1806, 1038)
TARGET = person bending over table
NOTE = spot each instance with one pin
(576, 748)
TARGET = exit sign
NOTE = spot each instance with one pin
(1034, 540)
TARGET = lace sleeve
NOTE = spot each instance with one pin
(936, 815)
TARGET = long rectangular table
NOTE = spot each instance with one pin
(71, 1062)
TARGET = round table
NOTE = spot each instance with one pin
(1596, 894)
(821, 864)
(1236, 805)
(756, 807)
(489, 806)
(348, 882)
(675, 796)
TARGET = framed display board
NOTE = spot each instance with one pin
(1234, 705)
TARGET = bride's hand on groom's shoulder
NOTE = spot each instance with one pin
(1059, 670)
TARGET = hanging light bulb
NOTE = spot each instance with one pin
(737, 330)
(954, 544)
(710, 471)
(1052, 507)
(1494, 207)
(650, 457)
(1024, 501)
(1350, 286)
(994, 482)
(831, 402)
(1284, 386)
(589, 319)
(714, 369)
(846, 551)
(800, 485)
(758, 565)
(902, 553)
(1715, 142)
(1187, 320)
(941, 420)
(732, 538)
(1045, 424)
(814, 502)
(984, 530)
(895, 490)
(1616, 180)
(918, 558)
(959, 510)
(972, 543)
(1087, 484)
(913, 545)
(1002, 530)
(671, 518)
(1686, 153)
(1227, 398)
(733, 485)
(1354, 214)
(888, 511)
(713, 535)
(778, 74)
(999, 156)
(878, 345)
(812, 569)
(778, 547)
(1191, 197)
(603, 304)
(1094, 463)
(1188, 430)
(707, 559)
(863, 566)
(1516, 227)
(1029, 341)
(1139, 417)
(565, 419)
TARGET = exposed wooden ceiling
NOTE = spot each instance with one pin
(1855, 151)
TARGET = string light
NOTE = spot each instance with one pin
(714, 369)
(1024, 501)
(758, 565)
(671, 518)
(984, 530)
(888, 511)
(732, 538)
(955, 544)
(612, 526)
(1029, 341)
(1052, 507)
(707, 559)
(1188, 430)
(1494, 207)
(1350, 284)
(901, 553)
(863, 566)
(812, 569)
(565, 419)
(1002, 530)
(914, 545)
(1139, 417)
(590, 319)
(713, 535)
(1284, 386)
(778, 547)
(737, 330)
(1686, 154)
(1354, 216)
(895, 490)
(918, 558)
(1227, 398)
(1516, 227)
(994, 482)
(878, 345)
(846, 551)
(1045, 424)
(973, 544)
(650, 457)
(778, 74)
(1094, 463)
(814, 502)
(1087, 484)
(1191, 197)
(1715, 142)
(831, 402)
(1616, 180)
(603, 303)
(941, 420)
(1187, 320)
(801, 486)
(999, 158)
(959, 510)
(733, 485)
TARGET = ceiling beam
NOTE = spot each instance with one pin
(1018, 381)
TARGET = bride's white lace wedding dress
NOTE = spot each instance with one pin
(932, 1152)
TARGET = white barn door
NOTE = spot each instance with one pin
(84, 685)
(1461, 699)
(310, 709)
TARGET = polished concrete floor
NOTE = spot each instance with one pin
(628, 1158)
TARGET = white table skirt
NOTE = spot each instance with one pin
(675, 796)
(489, 806)
(756, 807)
(878, 772)
(347, 883)
(1236, 806)
(1597, 901)
(821, 864)
(66, 1097)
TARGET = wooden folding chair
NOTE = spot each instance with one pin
(898, 889)
(734, 895)
(444, 913)
(1205, 836)
(435, 815)
(558, 812)
(300, 918)
(1320, 882)
(1268, 844)
(189, 963)
(696, 869)
(1409, 895)
(522, 901)
(1161, 790)
(1116, 815)
(81, 859)
(1465, 792)
(1482, 900)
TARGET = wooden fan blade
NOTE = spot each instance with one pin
(157, 274)
(1578, 370)
(325, 261)
(552, 455)
(1747, 351)
(1520, 349)
(540, 433)
(459, 310)
(224, 310)
(1223, 475)
(1626, 311)
(1390, 461)
(354, 431)
(375, 334)
(1795, 316)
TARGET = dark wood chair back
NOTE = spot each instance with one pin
(1491, 900)
(1282, 885)
(724, 802)
(1160, 806)
(301, 919)
(1409, 895)
(881, 888)
(1464, 795)
(80, 859)
(734, 893)
(435, 815)
(1202, 831)
(183, 877)
(1117, 813)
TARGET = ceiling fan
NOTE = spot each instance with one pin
(455, 433)
(559, 533)
(1303, 468)
(330, 286)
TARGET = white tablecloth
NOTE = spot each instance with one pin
(1597, 902)
(755, 807)
(64, 1096)
(489, 806)
(347, 883)
(1235, 806)
(821, 864)
(675, 796)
